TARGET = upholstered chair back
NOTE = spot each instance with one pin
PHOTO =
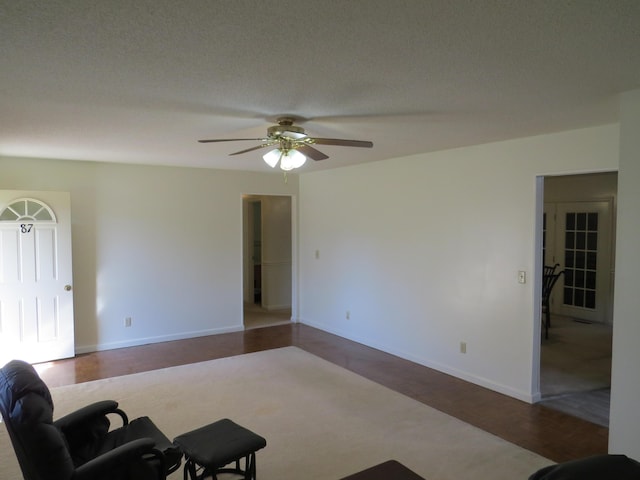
(27, 410)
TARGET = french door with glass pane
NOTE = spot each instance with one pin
(582, 246)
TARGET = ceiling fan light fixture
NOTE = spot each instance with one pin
(292, 159)
(291, 141)
(289, 159)
(271, 158)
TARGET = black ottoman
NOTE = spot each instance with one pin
(210, 449)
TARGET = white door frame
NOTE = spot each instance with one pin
(36, 314)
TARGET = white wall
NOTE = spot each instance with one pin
(624, 426)
(581, 188)
(424, 252)
(161, 245)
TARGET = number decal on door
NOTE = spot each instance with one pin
(26, 227)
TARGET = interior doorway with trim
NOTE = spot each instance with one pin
(267, 260)
(579, 239)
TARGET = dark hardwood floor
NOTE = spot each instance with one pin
(550, 433)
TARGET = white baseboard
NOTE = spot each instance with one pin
(466, 376)
(159, 339)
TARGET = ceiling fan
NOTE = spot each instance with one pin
(293, 145)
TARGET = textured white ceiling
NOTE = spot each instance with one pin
(140, 81)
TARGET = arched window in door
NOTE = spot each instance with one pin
(27, 210)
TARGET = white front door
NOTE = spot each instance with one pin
(582, 247)
(36, 298)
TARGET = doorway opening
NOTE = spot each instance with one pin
(268, 266)
(578, 235)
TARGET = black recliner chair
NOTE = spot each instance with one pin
(597, 467)
(78, 446)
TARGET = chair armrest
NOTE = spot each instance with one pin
(85, 414)
(118, 458)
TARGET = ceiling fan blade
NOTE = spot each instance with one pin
(253, 148)
(312, 152)
(232, 140)
(342, 143)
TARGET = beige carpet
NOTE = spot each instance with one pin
(575, 369)
(320, 421)
(576, 357)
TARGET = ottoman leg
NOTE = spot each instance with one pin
(250, 467)
(191, 471)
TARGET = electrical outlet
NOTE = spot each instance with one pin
(347, 315)
(522, 276)
(127, 322)
(463, 347)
